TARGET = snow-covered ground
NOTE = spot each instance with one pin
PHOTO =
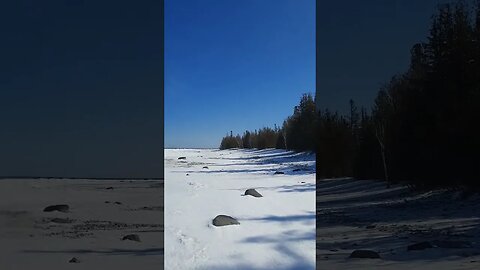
(354, 214)
(101, 213)
(276, 231)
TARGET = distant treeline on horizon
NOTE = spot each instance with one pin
(296, 132)
(422, 128)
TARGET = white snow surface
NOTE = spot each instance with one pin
(276, 231)
(366, 215)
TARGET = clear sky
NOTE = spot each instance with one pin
(81, 88)
(362, 44)
(234, 65)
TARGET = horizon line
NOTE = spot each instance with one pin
(86, 178)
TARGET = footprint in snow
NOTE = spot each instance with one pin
(192, 246)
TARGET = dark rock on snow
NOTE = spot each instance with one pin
(59, 207)
(420, 246)
(182, 158)
(279, 172)
(223, 220)
(131, 237)
(364, 254)
(74, 260)
(205, 167)
(252, 192)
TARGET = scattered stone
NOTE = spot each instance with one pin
(302, 182)
(223, 220)
(371, 227)
(59, 207)
(107, 201)
(74, 260)
(296, 170)
(205, 167)
(252, 192)
(364, 254)
(117, 203)
(187, 174)
(420, 246)
(279, 172)
(182, 158)
(109, 188)
(131, 237)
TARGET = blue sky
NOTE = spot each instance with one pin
(81, 88)
(234, 65)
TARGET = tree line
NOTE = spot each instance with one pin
(423, 126)
(296, 133)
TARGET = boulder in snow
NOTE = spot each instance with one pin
(420, 246)
(224, 220)
(58, 207)
(364, 254)
(132, 237)
(253, 193)
(74, 260)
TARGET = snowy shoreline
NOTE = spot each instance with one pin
(276, 231)
(365, 215)
(101, 213)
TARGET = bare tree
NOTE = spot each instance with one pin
(380, 134)
(382, 111)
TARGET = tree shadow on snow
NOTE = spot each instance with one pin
(289, 236)
(397, 217)
(299, 262)
(308, 218)
(270, 171)
(264, 171)
(305, 187)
